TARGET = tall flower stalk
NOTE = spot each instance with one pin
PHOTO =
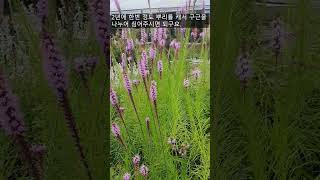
(11, 121)
(98, 10)
(117, 133)
(153, 98)
(115, 103)
(128, 86)
(56, 73)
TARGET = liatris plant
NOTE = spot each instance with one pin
(143, 36)
(277, 37)
(85, 66)
(243, 69)
(152, 55)
(100, 19)
(143, 72)
(160, 68)
(126, 176)
(11, 121)
(127, 84)
(115, 103)
(136, 161)
(56, 75)
(144, 171)
(117, 133)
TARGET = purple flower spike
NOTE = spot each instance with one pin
(113, 98)
(11, 119)
(160, 67)
(172, 43)
(243, 68)
(155, 36)
(42, 10)
(55, 67)
(202, 34)
(130, 45)
(162, 43)
(144, 36)
(115, 130)
(152, 53)
(126, 176)
(127, 82)
(144, 55)
(123, 61)
(136, 160)
(98, 10)
(142, 68)
(144, 171)
(153, 91)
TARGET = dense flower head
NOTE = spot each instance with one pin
(144, 55)
(144, 36)
(126, 176)
(130, 45)
(194, 33)
(277, 36)
(11, 118)
(54, 64)
(160, 66)
(162, 42)
(100, 19)
(183, 31)
(42, 10)
(113, 97)
(123, 61)
(202, 34)
(136, 160)
(176, 46)
(154, 36)
(243, 68)
(127, 82)
(142, 68)
(152, 53)
(153, 91)
(172, 43)
(144, 170)
(115, 130)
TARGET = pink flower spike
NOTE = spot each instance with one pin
(126, 176)
(153, 91)
(144, 170)
(113, 97)
(136, 160)
(115, 130)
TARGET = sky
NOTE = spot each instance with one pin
(141, 4)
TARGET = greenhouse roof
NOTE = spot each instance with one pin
(143, 4)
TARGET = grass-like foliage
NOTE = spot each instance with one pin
(265, 121)
(160, 98)
(61, 99)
